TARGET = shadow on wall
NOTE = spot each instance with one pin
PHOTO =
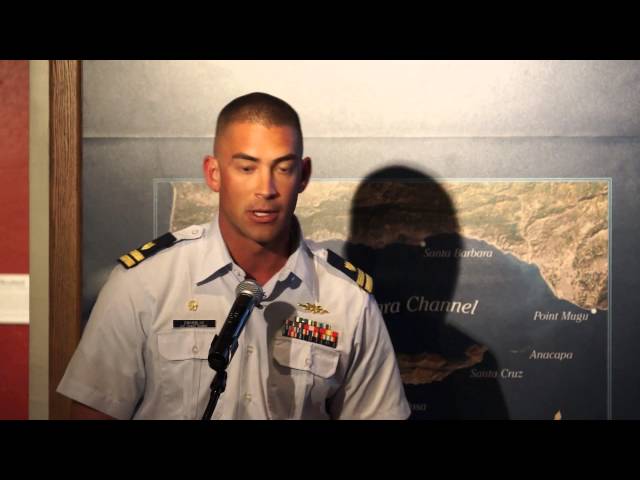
(397, 215)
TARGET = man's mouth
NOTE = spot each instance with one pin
(264, 216)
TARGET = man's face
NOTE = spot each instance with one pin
(258, 173)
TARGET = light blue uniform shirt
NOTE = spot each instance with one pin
(134, 361)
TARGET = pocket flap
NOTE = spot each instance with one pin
(185, 345)
(301, 355)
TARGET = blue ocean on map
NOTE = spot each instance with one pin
(533, 369)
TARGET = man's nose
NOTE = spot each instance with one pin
(267, 185)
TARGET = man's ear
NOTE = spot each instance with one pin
(306, 174)
(211, 170)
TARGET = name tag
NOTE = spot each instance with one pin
(194, 324)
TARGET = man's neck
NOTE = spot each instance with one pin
(260, 262)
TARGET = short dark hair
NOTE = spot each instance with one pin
(262, 108)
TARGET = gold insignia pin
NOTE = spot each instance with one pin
(350, 266)
(147, 246)
(312, 308)
(192, 305)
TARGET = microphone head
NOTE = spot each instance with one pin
(251, 289)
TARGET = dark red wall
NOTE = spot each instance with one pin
(14, 229)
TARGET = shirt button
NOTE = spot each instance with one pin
(247, 397)
(195, 349)
(307, 362)
(249, 348)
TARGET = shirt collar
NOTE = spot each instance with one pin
(217, 260)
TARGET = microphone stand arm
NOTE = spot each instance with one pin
(223, 348)
(219, 382)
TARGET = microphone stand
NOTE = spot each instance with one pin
(218, 384)
(217, 387)
(223, 346)
(219, 363)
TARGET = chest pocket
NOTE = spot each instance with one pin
(183, 355)
(305, 356)
(185, 345)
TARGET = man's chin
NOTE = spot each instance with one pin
(268, 242)
(266, 237)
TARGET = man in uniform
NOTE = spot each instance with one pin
(315, 348)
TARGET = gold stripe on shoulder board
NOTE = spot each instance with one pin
(360, 277)
(127, 260)
(136, 255)
(368, 286)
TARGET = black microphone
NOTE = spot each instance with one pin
(223, 346)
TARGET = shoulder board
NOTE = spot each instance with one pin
(363, 279)
(149, 249)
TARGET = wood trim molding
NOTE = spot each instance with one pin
(65, 227)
